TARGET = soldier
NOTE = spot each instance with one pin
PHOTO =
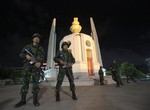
(31, 69)
(128, 74)
(115, 74)
(101, 75)
(65, 60)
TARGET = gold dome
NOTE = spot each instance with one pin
(75, 28)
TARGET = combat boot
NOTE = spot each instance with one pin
(22, 101)
(57, 96)
(74, 97)
(35, 100)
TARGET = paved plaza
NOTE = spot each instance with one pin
(132, 96)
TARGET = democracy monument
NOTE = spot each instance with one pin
(85, 49)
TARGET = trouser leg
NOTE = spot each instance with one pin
(57, 96)
(60, 79)
(69, 74)
(35, 89)
(24, 91)
(35, 100)
(74, 97)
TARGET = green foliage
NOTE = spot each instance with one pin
(108, 72)
(5, 73)
(131, 68)
(16, 76)
(10, 73)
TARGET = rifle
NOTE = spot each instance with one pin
(66, 67)
(33, 61)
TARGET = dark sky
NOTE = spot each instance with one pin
(123, 26)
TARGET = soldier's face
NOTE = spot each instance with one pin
(114, 61)
(36, 40)
(65, 47)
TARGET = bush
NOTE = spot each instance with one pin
(10, 73)
(132, 69)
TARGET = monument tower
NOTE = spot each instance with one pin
(85, 49)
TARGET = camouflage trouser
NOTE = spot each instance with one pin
(28, 74)
(115, 77)
(60, 78)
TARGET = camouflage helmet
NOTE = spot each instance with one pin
(36, 35)
(66, 43)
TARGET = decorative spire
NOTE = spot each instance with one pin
(75, 28)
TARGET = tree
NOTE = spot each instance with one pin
(132, 69)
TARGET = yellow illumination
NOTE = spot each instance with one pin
(75, 28)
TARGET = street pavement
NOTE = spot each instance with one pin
(132, 96)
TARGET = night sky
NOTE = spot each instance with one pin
(123, 26)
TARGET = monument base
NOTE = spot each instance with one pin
(80, 79)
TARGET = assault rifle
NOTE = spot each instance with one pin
(66, 66)
(33, 61)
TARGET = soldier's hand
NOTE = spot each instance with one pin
(69, 64)
(37, 64)
(62, 62)
(28, 57)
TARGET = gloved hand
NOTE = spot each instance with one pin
(37, 64)
(28, 57)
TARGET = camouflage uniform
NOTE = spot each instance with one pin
(31, 71)
(115, 74)
(65, 71)
(67, 57)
